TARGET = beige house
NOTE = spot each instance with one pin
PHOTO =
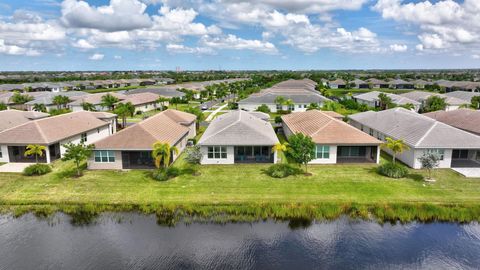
(54, 132)
(95, 99)
(143, 102)
(13, 118)
(131, 148)
(336, 141)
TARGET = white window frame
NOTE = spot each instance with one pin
(218, 152)
(99, 156)
(84, 137)
(324, 151)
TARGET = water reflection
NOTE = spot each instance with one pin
(134, 241)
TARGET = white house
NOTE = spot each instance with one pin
(453, 103)
(53, 132)
(238, 137)
(372, 100)
(422, 134)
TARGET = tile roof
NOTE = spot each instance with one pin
(417, 130)
(13, 118)
(46, 98)
(140, 98)
(239, 128)
(463, 95)
(166, 126)
(397, 99)
(325, 129)
(95, 99)
(466, 119)
(421, 96)
(167, 92)
(51, 129)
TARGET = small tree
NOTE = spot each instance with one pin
(162, 153)
(18, 98)
(35, 150)
(280, 100)
(3, 106)
(193, 155)
(385, 101)
(301, 149)
(263, 108)
(77, 153)
(396, 146)
(61, 101)
(86, 106)
(123, 110)
(313, 106)
(435, 103)
(429, 161)
(198, 113)
(475, 102)
(280, 147)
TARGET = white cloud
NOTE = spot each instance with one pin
(16, 50)
(476, 56)
(398, 47)
(235, 43)
(119, 15)
(83, 44)
(443, 24)
(180, 48)
(96, 56)
(117, 57)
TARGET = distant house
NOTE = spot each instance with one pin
(46, 98)
(422, 134)
(12, 87)
(400, 84)
(420, 84)
(422, 96)
(95, 99)
(53, 132)
(166, 92)
(377, 84)
(465, 119)
(336, 141)
(372, 100)
(337, 84)
(13, 118)
(360, 84)
(463, 95)
(143, 102)
(238, 137)
(131, 148)
(300, 92)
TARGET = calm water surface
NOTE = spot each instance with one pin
(133, 241)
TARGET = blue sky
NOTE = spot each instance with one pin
(226, 34)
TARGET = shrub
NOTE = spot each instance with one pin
(282, 170)
(392, 170)
(263, 108)
(37, 169)
(165, 174)
(278, 119)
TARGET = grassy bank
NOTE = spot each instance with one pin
(244, 192)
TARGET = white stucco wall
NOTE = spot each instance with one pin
(145, 107)
(117, 165)
(92, 137)
(4, 150)
(229, 160)
(331, 160)
(299, 107)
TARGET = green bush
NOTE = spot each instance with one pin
(37, 169)
(282, 170)
(278, 119)
(263, 108)
(165, 174)
(392, 170)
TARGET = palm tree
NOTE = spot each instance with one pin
(280, 100)
(86, 106)
(198, 113)
(60, 101)
(39, 107)
(162, 101)
(280, 147)
(35, 150)
(288, 103)
(123, 110)
(163, 152)
(385, 101)
(109, 101)
(396, 146)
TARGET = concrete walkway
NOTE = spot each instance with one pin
(14, 167)
(212, 115)
(468, 172)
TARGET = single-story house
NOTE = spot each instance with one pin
(300, 92)
(166, 92)
(422, 134)
(337, 84)
(52, 132)
(46, 98)
(360, 84)
(421, 96)
(336, 141)
(400, 84)
(238, 137)
(143, 102)
(420, 84)
(463, 95)
(13, 118)
(376, 83)
(95, 99)
(334, 115)
(371, 99)
(131, 148)
(465, 119)
(12, 87)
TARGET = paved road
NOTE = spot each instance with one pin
(212, 115)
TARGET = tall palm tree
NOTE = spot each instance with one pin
(198, 113)
(123, 110)
(86, 106)
(109, 101)
(61, 101)
(39, 107)
(162, 101)
(288, 103)
(35, 150)
(396, 146)
(162, 153)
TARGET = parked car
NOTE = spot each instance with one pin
(204, 107)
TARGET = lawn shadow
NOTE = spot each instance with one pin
(415, 177)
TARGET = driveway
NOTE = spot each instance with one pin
(14, 167)
(468, 172)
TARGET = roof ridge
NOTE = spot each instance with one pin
(427, 133)
(40, 131)
(228, 126)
